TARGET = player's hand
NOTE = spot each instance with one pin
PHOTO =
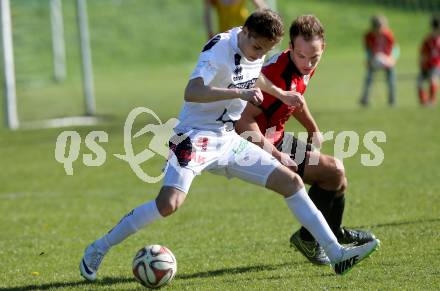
(287, 161)
(253, 96)
(292, 98)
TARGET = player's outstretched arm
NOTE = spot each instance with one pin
(306, 119)
(248, 128)
(196, 91)
(290, 98)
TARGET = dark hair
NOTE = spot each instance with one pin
(265, 23)
(435, 22)
(308, 26)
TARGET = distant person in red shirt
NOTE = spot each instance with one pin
(291, 71)
(381, 55)
(430, 64)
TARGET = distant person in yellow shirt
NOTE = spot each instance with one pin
(230, 13)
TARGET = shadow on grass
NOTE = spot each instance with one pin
(80, 284)
(400, 223)
(237, 270)
(107, 281)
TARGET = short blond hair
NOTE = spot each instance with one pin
(378, 21)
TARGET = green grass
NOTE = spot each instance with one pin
(228, 235)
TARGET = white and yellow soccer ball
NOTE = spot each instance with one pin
(154, 266)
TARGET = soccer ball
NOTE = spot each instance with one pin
(154, 266)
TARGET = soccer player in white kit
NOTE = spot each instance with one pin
(217, 92)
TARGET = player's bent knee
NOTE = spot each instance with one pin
(285, 182)
(338, 173)
(331, 173)
(341, 190)
(339, 176)
(169, 200)
(339, 164)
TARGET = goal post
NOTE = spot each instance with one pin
(58, 47)
(86, 57)
(10, 102)
(12, 119)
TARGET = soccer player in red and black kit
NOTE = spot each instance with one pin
(291, 71)
(382, 53)
(430, 64)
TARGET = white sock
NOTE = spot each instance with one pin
(129, 224)
(312, 219)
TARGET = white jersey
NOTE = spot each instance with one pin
(221, 64)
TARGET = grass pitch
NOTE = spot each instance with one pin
(228, 235)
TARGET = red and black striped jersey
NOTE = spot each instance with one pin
(283, 73)
(381, 42)
(430, 52)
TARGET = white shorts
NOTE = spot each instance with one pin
(227, 154)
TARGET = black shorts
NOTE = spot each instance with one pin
(297, 150)
(428, 73)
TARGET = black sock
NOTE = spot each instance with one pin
(335, 218)
(323, 200)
